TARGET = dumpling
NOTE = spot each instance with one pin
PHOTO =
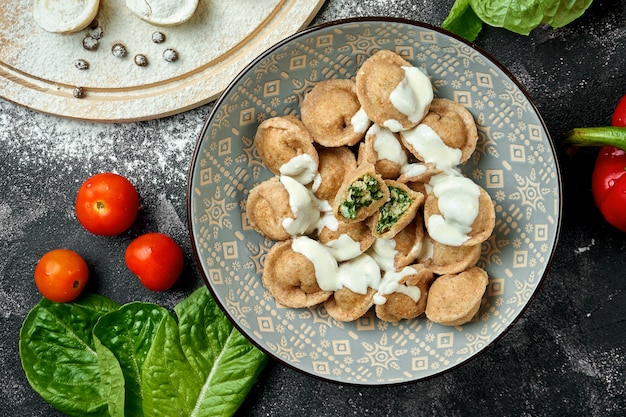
(399, 305)
(335, 164)
(290, 277)
(455, 299)
(331, 112)
(280, 139)
(393, 93)
(397, 212)
(360, 195)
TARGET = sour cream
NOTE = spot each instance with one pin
(302, 168)
(413, 170)
(304, 206)
(344, 248)
(383, 251)
(359, 274)
(391, 284)
(458, 202)
(360, 121)
(325, 265)
(387, 145)
(431, 147)
(393, 125)
(413, 95)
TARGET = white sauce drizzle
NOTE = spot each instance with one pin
(393, 125)
(391, 283)
(458, 202)
(360, 121)
(344, 248)
(431, 147)
(384, 253)
(387, 145)
(304, 207)
(359, 274)
(302, 168)
(413, 170)
(413, 95)
(325, 265)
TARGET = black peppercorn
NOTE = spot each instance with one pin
(158, 37)
(118, 50)
(81, 64)
(170, 55)
(141, 60)
(79, 92)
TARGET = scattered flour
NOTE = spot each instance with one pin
(583, 249)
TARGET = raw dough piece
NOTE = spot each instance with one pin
(163, 12)
(64, 16)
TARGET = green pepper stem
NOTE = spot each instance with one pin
(597, 136)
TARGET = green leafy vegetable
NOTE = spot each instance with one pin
(127, 334)
(59, 357)
(93, 357)
(361, 193)
(463, 21)
(209, 373)
(519, 16)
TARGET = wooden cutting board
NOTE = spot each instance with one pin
(39, 70)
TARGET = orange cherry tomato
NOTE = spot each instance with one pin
(156, 259)
(61, 275)
(107, 204)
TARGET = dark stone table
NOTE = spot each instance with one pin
(566, 355)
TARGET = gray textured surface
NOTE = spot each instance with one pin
(565, 356)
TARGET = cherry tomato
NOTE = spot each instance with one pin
(61, 275)
(107, 204)
(156, 259)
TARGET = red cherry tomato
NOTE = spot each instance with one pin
(61, 275)
(608, 180)
(107, 204)
(156, 259)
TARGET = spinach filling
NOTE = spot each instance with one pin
(392, 210)
(361, 193)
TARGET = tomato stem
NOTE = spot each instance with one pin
(597, 136)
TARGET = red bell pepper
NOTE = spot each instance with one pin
(608, 184)
(608, 181)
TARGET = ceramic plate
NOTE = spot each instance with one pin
(37, 68)
(514, 161)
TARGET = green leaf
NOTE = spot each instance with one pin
(112, 380)
(125, 337)
(59, 357)
(522, 16)
(209, 372)
(463, 21)
(566, 12)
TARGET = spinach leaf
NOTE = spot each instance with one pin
(94, 358)
(463, 21)
(123, 339)
(59, 357)
(519, 16)
(208, 372)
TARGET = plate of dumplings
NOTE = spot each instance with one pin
(374, 201)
